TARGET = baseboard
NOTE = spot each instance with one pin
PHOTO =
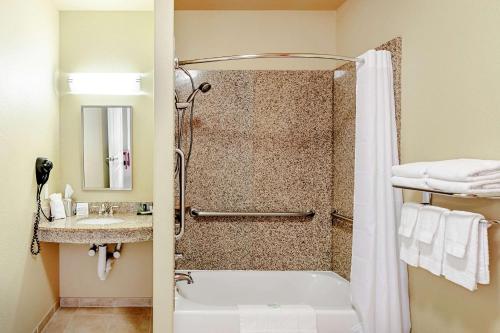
(41, 325)
(105, 302)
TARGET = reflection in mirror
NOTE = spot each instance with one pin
(107, 147)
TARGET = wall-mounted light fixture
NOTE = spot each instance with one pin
(105, 83)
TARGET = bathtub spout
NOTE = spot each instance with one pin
(183, 277)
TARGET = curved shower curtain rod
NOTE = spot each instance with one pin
(266, 56)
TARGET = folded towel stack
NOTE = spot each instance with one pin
(444, 242)
(465, 176)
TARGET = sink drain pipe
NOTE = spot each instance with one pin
(104, 259)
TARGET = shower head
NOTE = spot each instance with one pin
(204, 87)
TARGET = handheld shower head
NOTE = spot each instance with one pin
(204, 87)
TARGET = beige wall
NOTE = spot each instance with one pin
(107, 42)
(163, 197)
(450, 108)
(29, 127)
(213, 33)
(131, 276)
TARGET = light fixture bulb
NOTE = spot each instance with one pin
(105, 83)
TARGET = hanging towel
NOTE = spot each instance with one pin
(431, 253)
(463, 187)
(409, 214)
(462, 270)
(483, 273)
(418, 183)
(464, 170)
(458, 230)
(409, 250)
(411, 170)
(277, 319)
(428, 222)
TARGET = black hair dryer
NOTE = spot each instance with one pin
(42, 167)
(42, 171)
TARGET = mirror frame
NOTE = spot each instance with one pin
(83, 148)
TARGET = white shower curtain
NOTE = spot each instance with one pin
(378, 278)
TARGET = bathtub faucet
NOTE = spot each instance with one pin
(184, 277)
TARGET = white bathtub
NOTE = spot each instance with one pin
(210, 304)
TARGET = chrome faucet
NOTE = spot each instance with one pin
(106, 209)
(110, 210)
(183, 277)
(102, 208)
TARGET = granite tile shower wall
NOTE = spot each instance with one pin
(262, 141)
(344, 113)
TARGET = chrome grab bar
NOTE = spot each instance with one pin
(198, 213)
(340, 216)
(182, 193)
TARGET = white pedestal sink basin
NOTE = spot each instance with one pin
(100, 220)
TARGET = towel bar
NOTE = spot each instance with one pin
(427, 199)
(457, 195)
(336, 214)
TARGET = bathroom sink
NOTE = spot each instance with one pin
(100, 220)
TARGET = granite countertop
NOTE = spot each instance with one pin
(134, 228)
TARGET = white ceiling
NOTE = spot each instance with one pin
(104, 4)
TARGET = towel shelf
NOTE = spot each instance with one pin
(456, 195)
(198, 213)
(427, 198)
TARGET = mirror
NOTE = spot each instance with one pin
(107, 147)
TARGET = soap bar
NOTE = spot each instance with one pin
(82, 208)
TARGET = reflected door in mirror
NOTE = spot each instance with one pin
(107, 153)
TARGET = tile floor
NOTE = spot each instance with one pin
(100, 320)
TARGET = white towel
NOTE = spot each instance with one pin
(463, 270)
(409, 214)
(410, 170)
(277, 319)
(458, 231)
(464, 170)
(408, 248)
(431, 254)
(463, 187)
(483, 269)
(428, 222)
(418, 183)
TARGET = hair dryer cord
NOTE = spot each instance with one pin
(35, 242)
